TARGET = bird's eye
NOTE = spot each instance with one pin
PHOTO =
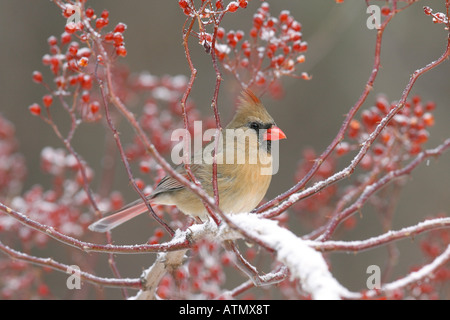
(255, 125)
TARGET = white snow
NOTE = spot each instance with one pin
(305, 264)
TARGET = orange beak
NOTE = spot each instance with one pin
(273, 134)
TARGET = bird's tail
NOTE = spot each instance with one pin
(123, 215)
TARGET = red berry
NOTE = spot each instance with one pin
(239, 35)
(418, 110)
(70, 28)
(245, 63)
(342, 148)
(121, 51)
(219, 4)
(52, 41)
(354, 128)
(382, 104)
(43, 290)
(220, 32)
(426, 288)
(118, 39)
(46, 59)
(89, 12)
(385, 10)
(296, 26)
(152, 240)
(422, 136)
(86, 82)
(184, 4)
(73, 80)
(35, 109)
(296, 46)
(101, 22)
(83, 62)
(232, 6)
(416, 99)
(73, 49)
(350, 223)
(260, 80)
(378, 149)
(121, 27)
(385, 137)
(65, 38)
(95, 106)
(145, 168)
(428, 119)
(226, 259)
(105, 14)
(258, 21)
(140, 184)
(270, 22)
(300, 59)
(368, 118)
(430, 106)
(37, 77)
(243, 3)
(109, 36)
(86, 96)
(159, 233)
(284, 16)
(47, 100)
(116, 200)
(415, 149)
(427, 10)
(265, 7)
(187, 11)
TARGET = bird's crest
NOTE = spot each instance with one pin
(249, 109)
(248, 97)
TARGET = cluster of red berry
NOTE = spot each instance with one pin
(404, 135)
(190, 10)
(20, 281)
(204, 274)
(315, 209)
(438, 17)
(161, 115)
(70, 61)
(274, 49)
(12, 168)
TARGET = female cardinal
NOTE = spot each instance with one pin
(244, 159)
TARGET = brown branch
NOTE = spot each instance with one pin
(187, 166)
(173, 245)
(214, 106)
(48, 262)
(388, 237)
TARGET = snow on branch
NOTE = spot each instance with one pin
(304, 263)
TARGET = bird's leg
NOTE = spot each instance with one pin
(250, 270)
(198, 219)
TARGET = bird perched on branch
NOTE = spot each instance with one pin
(244, 169)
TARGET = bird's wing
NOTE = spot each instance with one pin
(169, 184)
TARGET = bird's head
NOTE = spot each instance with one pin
(252, 115)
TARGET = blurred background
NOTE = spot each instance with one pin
(339, 58)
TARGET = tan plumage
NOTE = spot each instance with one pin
(241, 184)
